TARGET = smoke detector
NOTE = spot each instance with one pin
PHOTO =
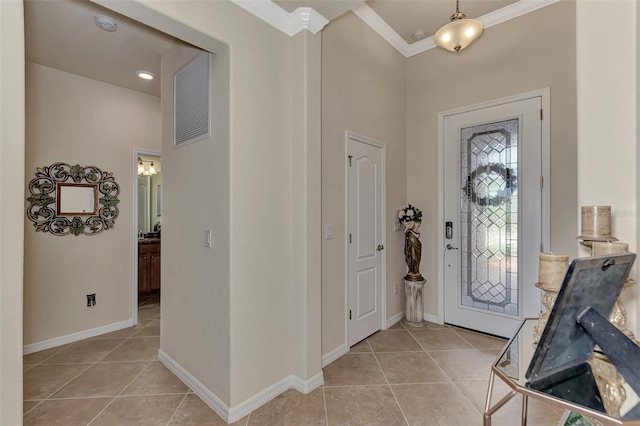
(106, 23)
(418, 35)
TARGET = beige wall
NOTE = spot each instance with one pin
(76, 120)
(259, 273)
(195, 279)
(363, 91)
(510, 58)
(11, 209)
(607, 107)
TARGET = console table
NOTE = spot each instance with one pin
(510, 367)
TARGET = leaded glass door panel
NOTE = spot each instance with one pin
(493, 199)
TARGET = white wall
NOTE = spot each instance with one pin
(363, 91)
(77, 120)
(510, 58)
(607, 120)
(11, 209)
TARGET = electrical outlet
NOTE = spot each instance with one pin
(395, 288)
(91, 299)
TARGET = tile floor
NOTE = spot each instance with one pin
(435, 375)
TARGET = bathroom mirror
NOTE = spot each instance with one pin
(76, 199)
(149, 193)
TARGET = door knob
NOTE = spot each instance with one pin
(380, 247)
(450, 247)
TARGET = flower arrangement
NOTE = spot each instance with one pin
(409, 213)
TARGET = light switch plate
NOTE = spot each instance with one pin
(328, 232)
(207, 238)
(396, 226)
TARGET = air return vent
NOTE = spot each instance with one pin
(191, 101)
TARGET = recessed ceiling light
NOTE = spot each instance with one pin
(145, 75)
(106, 23)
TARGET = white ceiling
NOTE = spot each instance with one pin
(62, 34)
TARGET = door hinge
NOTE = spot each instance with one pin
(349, 238)
(541, 181)
(350, 157)
(349, 313)
(541, 248)
(541, 114)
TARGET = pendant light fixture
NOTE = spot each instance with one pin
(459, 33)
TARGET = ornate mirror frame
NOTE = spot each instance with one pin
(44, 203)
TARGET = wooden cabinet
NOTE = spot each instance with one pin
(148, 266)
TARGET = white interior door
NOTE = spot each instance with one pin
(143, 204)
(365, 200)
(493, 206)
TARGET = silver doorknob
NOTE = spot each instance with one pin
(380, 247)
(450, 247)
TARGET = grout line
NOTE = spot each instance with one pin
(32, 408)
(178, 407)
(120, 393)
(395, 398)
(326, 412)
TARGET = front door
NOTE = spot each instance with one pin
(365, 239)
(493, 212)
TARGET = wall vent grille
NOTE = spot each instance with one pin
(192, 101)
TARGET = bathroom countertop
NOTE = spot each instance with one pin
(148, 240)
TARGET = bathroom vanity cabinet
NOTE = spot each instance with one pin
(148, 266)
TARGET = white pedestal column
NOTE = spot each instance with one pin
(414, 308)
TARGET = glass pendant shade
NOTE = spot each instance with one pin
(140, 167)
(458, 34)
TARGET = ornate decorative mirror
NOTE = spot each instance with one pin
(76, 191)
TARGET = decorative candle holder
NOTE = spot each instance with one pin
(552, 269)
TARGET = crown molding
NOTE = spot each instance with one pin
(303, 18)
(514, 10)
(379, 25)
(306, 18)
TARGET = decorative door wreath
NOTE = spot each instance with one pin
(491, 184)
(45, 211)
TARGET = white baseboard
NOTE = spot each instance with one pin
(395, 319)
(334, 354)
(231, 415)
(432, 318)
(74, 337)
(205, 394)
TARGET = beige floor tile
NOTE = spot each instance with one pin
(538, 413)
(26, 368)
(362, 405)
(102, 379)
(464, 366)
(393, 341)
(440, 404)
(141, 349)
(156, 379)
(360, 347)
(397, 326)
(353, 369)
(139, 410)
(291, 408)
(193, 411)
(125, 332)
(481, 341)
(66, 412)
(152, 329)
(150, 312)
(43, 380)
(410, 367)
(38, 357)
(29, 405)
(83, 351)
(443, 339)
